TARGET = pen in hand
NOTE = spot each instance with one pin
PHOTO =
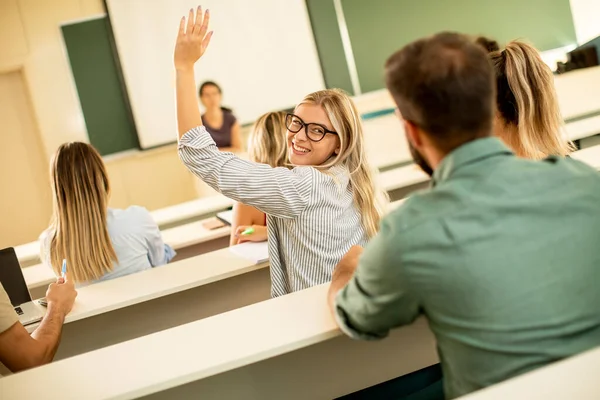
(64, 268)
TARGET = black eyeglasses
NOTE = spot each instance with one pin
(314, 132)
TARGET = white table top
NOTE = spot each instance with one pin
(583, 128)
(573, 378)
(590, 156)
(191, 209)
(165, 359)
(157, 282)
(28, 251)
(578, 92)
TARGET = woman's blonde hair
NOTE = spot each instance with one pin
(527, 102)
(344, 117)
(267, 142)
(78, 231)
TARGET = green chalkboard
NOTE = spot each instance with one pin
(329, 44)
(377, 28)
(99, 82)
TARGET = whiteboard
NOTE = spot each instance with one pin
(262, 54)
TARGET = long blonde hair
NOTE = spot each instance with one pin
(78, 231)
(527, 102)
(267, 142)
(344, 117)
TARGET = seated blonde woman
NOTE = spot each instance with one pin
(528, 117)
(97, 242)
(266, 145)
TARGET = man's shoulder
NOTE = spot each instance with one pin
(423, 208)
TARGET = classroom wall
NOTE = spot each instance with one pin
(31, 45)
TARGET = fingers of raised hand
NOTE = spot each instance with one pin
(206, 40)
(190, 22)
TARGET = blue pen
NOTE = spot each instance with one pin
(64, 268)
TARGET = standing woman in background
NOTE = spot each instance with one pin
(218, 120)
(266, 145)
(98, 242)
(528, 117)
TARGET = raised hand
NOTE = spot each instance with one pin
(192, 39)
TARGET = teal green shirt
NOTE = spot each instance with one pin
(501, 254)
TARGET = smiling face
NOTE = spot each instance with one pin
(302, 150)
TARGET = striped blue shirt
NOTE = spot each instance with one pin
(311, 215)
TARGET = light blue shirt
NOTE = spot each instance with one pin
(136, 239)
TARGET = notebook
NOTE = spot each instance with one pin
(257, 252)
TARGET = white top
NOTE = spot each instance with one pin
(311, 214)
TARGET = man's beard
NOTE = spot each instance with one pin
(419, 160)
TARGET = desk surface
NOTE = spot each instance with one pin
(252, 334)
(577, 92)
(191, 209)
(157, 282)
(573, 378)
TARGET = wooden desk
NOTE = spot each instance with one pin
(573, 378)
(287, 347)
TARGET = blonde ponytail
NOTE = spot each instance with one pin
(527, 102)
(78, 231)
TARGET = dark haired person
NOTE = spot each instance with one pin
(490, 45)
(219, 121)
(500, 254)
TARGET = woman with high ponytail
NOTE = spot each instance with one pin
(528, 117)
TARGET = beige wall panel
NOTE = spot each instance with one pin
(25, 204)
(13, 43)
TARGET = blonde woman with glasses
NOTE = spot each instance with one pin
(98, 242)
(528, 117)
(317, 210)
(266, 145)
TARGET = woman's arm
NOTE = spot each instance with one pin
(159, 253)
(244, 215)
(192, 41)
(277, 191)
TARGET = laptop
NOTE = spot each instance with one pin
(14, 284)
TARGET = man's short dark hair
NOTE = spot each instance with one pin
(444, 84)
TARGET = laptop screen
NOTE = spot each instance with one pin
(12, 278)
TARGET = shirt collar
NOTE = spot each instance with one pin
(468, 153)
